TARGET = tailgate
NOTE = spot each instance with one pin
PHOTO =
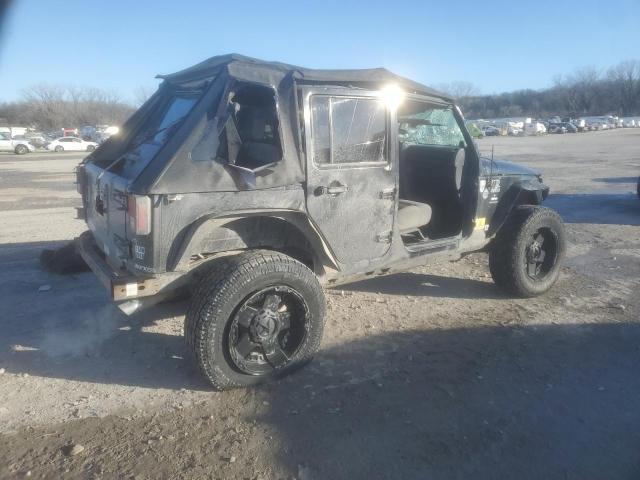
(106, 212)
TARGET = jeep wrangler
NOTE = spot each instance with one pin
(253, 184)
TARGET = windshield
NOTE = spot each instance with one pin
(155, 133)
(424, 124)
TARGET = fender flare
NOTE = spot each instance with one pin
(241, 230)
(524, 193)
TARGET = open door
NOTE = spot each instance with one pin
(351, 186)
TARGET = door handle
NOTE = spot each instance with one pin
(334, 188)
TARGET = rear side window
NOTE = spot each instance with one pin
(160, 126)
(348, 130)
(247, 135)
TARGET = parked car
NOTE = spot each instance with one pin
(18, 146)
(570, 127)
(557, 128)
(71, 144)
(534, 128)
(226, 206)
(491, 131)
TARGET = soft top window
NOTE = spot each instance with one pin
(255, 118)
(153, 133)
(158, 128)
(249, 138)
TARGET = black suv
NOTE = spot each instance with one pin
(253, 184)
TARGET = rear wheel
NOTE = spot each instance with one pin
(21, 149)
(527, 253)
(59, 148)
(254, 317)
(90, 148)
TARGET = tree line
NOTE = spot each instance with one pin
(49, 107)
(585, 92)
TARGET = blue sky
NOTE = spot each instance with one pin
(496, 45)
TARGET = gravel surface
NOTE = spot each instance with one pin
(432, 373)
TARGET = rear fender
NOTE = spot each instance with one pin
(290, 232)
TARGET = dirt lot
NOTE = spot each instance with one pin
(431, 373)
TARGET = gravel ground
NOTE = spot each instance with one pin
(432, 373)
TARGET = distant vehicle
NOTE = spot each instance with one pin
(596, 126)
(18, 146)
(557, 128)
(71, 144)
(570, 127)
(534, 128)
(514, 131)
(491, 131)
(629, 123)
(69, 132)
(580, 123)
(36, 139)
(98, 133)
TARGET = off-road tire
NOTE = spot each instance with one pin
(223, 288)
(59, 148)
(21, 149)
(508, 251)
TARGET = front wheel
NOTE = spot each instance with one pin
(527, 253)
(90, 148)
(255, 317)
(21, 150)
(59, 148)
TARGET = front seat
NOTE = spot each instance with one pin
(412, 216)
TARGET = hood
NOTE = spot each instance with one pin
(500, 167)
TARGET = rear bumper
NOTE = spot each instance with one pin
(123, 286)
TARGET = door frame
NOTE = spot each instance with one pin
(390, 165)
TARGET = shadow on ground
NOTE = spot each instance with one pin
(420, 284)
(73, 331)
(597, 208)
(65, 326)
(552, 402)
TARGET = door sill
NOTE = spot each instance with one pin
(427, 245)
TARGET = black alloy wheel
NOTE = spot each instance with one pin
(267, 330)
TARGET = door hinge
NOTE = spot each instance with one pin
(388, 193)
(384, 237)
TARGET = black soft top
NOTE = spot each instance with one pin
(244, 67)
(173, 169)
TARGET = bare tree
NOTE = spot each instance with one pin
(142, 93)
(625, 83)
(54, 106)
(459, 89)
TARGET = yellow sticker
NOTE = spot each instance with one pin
(480, 222)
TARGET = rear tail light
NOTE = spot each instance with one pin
(139, 214)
